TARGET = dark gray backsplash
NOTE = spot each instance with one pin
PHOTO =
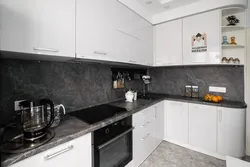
(76, 85)
(172, 80)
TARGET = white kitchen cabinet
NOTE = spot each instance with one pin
(38, 27)
(210, 24)
(168, 43)
(176, 121)
(148, 132)
(143, 139)
(112, 32)
(203, 126)
(231, 131)
(159, 123)
(75, 153)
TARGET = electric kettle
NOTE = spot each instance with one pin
(34, 118)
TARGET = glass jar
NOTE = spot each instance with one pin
(188, 91)
(195, 91)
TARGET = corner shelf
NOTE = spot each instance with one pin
(232, 46)
(232, 11)
(232, 28)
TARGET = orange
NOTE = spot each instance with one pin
(215, 99)
(220, 98)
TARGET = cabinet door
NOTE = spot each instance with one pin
(55, 27)
(159, 123)
(40, 27)
(203, 126)
(17, 20)
(35, 161)
(168, 43)
(231, 132)
(75, 153)
(177, 121)
(95, 29)
(208, 23)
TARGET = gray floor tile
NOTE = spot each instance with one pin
(171, 155)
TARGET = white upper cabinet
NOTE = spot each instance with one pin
(38, 27)
(202, 39)
(110, 31)
(203, 126)
(231, 131)
(176, 121)
(168, 43)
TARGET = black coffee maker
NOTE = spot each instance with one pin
(36, 119)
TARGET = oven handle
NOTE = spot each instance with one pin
(117, 137)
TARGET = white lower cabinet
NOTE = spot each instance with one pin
(217, 131)
(203, 126)
(76, 153)
(148, 132)
(231, 131)
(176, 118)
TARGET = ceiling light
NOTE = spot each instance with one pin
(165, 1)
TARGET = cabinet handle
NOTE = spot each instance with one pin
(156, 110)
(48, 157)
(145, 124)
(220, 115)
(131, 61)
(145, 137)
(100, 53)
(46, 49)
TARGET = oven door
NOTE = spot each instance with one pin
(116, 152)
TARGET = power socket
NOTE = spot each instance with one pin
(217, 89)
(16, 105)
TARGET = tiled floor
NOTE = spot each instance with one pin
(171, 155)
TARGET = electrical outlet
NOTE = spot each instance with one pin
(217, 89)
(16, 105)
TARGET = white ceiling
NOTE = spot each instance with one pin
(159, 6)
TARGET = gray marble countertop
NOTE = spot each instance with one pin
(224, 103)
(71, 128)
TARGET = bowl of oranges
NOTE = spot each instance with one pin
(212, 98)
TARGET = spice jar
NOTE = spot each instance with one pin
(188, 91)
(195, 91)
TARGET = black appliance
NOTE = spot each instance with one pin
(36, 118)
(113, 144)
(97, 113)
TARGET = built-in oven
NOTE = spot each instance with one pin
(113, 144)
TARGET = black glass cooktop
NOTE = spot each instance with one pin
(97, 113)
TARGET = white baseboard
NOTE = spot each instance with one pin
(213, 154)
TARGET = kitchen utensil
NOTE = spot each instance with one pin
(129, 96)
(35, 118)
(135, 95)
